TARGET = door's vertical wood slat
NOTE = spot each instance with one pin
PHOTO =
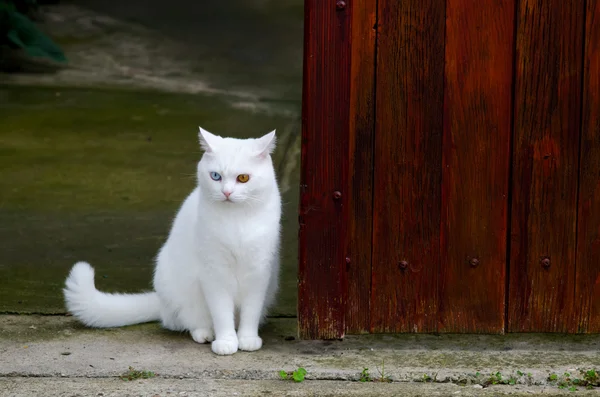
(325, 124)
(587, 292)
(476, 151)
(545, 165)
(408, 144)
(362, 123)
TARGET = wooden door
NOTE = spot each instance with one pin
(451, 167)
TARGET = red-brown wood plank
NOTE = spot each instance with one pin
(476, 152)
(545, 165)
(409, 123)
(587, 292)
(325, 131)
(360, 219)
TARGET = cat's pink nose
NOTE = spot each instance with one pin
(227, 194)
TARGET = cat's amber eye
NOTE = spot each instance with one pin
(243, 178)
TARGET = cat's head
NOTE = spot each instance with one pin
(236, 170)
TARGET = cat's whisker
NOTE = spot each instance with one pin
(255, 201)
(252, 202)
(254, 198)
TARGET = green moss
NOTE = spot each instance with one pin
(97, 175)
(84, 149)
(134, 374)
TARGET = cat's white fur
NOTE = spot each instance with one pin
(219, 268)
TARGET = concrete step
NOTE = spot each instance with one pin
(55, 355)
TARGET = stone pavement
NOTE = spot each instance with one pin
(55, 356)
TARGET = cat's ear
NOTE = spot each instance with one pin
(266, 144)
(208, 141)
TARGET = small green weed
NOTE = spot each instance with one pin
(133, 374)
(297, 375)
(382, 376)
(494, 379)
(365, 376)
(498, 379)
(589, 379)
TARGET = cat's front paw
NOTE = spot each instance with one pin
(249, 343)
(202, 335)
(225, 347)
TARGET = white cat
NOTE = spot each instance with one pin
(220, 264)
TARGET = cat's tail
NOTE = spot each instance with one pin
(102, 310)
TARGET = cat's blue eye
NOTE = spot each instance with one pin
(215, 176)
